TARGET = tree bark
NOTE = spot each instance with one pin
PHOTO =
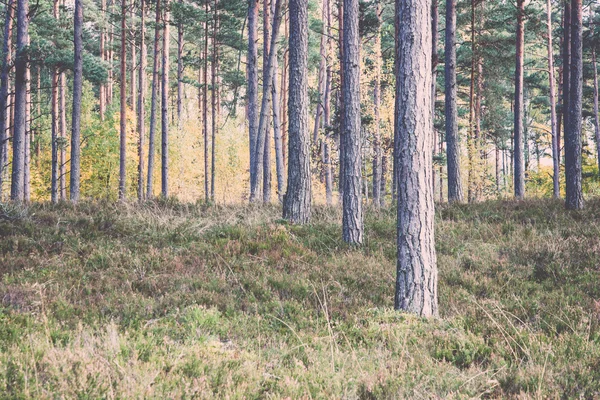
(62, 133)
(574, 194)
(434, 65)
(566, 73)
(252, 73)
(123, 113)
(21, 60)
(102, 87)
(553, 119)
(297, 201)
(205, 104)
(519, 174)
(134, 67)
(213, 93)
(180, 74)
(416, 282)
(141, 109)
(165, 106)
(352, 217)
(4, 92)
(376, 112)
(265, 106)
(27, 155)
(277, 133)
(74, 186)
(153, 104)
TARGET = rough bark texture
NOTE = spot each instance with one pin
(165, 106)
(352, 216)
(4, 82)
(518, 164)
(297, 201)
(18, 163)
(123, 113)
(141, 109)
(553, 119)
(455, 191)
(153, 104)
(574, 194)
(566, 69)
(77, 94)
(252, 74)
(416, 283)
(28, 133)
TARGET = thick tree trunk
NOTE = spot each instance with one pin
(123, 113)
(553, 119)
(574, 194)
(596, 116)
(18, 162)
(165, 106)
(416, 282)
(376, 112)
(519, 174)
(77, 95)
(4, 92)
(252, 73)
(297, 201)
(455, 191)
(153, 104)
(352, 217)
(141, 109)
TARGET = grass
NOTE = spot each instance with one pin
(169, 300)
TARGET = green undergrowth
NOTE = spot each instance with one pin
(170, 300)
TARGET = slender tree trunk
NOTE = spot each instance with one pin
(62, 133)
(553, 119)
(519, 175)
(434, 65)
(77, 95)
(416, 282)
(471, 133)
(141, 109)
(4, 92)
(213, 93)
(111, 52)
(205, 105)
(352, 217)
(596, 116)
(277, 133)
(376, 107)
(252, 73)
(566, 73)
(327, 140)
(18, 162)
(102, 88)
(297, 201)
(133, 78)
(153, 104)
(284, 95)
(54, 195)
(180, 74)
(321, 75)
(27, 159)
(574, 194)
(268, 7)
(265, 106)
(123, 113)
(455, 192)
(165, 105)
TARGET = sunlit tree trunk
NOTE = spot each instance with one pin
(165, 105)
(214, 96)
(416, 282)
(574, 194)
(18, 162)
(141, 109)
(519, 174)
(123, 113)
(376, 112)
(102, 88)
(74, 186)
(252, 73)
(553, 119)
(297, 201)
(153, 104)
(596, 117)
(180, 74)
(352, 217)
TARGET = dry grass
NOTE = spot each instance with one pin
(170, 300)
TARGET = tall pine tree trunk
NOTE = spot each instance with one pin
(574, 194)
(553, 119)
(123, 113)
(102, 88)
(596, 117)
(519, 174)
(27, 156)
(180, 74)
(153, 104)
(165, 106)
(416, 282)
(213, 98)
(277, 133)
(252, 74)
(376, 112)
(18, 162)
(297, 201)
(77, 97)
(205, 104)
(141, 109)
(352, 217)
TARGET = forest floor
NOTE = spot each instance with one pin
(167, 300)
